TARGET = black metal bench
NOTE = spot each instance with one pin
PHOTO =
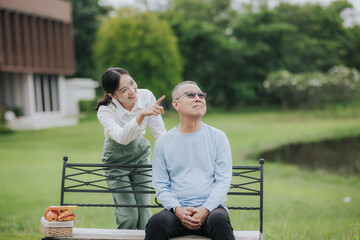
(89, 178)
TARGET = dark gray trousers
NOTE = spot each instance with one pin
(165, 225)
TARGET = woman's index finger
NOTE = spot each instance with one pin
(160, 100)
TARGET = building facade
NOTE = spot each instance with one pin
(36, 53)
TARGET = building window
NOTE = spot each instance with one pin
(46, 93)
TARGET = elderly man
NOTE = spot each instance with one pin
(191, 173)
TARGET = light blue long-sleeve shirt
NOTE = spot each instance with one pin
(192, 169)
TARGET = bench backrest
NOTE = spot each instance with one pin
(89, 178)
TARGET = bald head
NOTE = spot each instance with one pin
(176, 92)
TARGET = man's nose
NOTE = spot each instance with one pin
(197, 98)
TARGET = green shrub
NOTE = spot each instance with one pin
(87, 106)
(340, 85)
(2, 114)
(4, 129)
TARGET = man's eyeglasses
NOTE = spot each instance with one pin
(201, 95)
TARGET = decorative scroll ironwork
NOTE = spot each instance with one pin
(90, 178)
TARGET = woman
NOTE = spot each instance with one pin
(125, 111)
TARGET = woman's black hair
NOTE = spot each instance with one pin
(110, 82)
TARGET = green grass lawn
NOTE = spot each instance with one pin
(298, 204)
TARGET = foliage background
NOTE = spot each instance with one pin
(142, 44)
(229, 49)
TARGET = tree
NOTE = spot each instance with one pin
(201, 28)
(261, 38)
(230, 53)
(297, 38)
(86, 20)
(351, 44)
(142, 44)
(320, 39)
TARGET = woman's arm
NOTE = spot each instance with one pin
(122, 135)
(152, 110)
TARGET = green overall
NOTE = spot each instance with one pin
(136, 152)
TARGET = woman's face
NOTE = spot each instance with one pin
(126, 94)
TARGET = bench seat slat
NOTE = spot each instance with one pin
(115, 234)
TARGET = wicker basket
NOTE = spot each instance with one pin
(56, 229)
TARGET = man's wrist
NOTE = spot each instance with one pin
(173, 210)
(208, 211)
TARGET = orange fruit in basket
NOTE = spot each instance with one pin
(51, 215)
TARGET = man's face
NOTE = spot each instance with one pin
(188, 104)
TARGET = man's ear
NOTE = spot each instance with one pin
(175, 105)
